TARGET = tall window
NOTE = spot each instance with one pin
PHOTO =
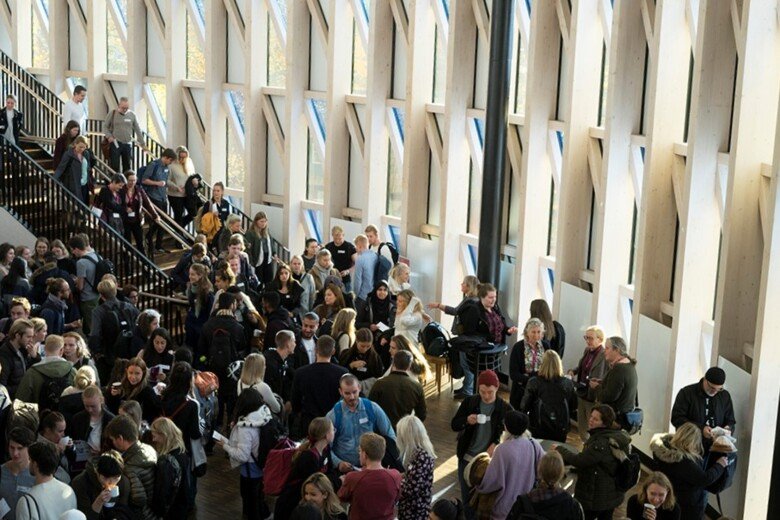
(315, 176)
(359, 63)
(277, 62)
(40, 40)
(439, 67)
(236, 166)
(604, 84)
(116, 54)
(521, 77)
(196, 61)
(394, 184)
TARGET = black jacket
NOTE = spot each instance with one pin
(13, 368)
(17, 122)
(635, 510)
(300, 358)
(87, 487)
(555, 394)
(372, 311)
(184, 417)
(466, 431)
(691, 405)
(278, 373)
(315, 390)
(558, 343)
(79, 428)
(228, 323)
(473, 321)
(561, 506)
(688, 477)
(277, 320)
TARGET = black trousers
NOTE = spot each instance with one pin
(252, 499)
(177, 205)
(162, 206)
(123, 153)
(133, 230)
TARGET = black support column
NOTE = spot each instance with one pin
(489, 257)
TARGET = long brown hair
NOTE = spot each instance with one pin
(262, 233)
(70, 125)
(540, 309)
(128, 390)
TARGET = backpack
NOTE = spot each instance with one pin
(167, 480)
(102, 268)
(523, 509)
(552, 412)
(278, 465)
(627, 474)
(23, 415)
(435, 339)
(117, 331)
(51, 391)
(221, 351)
(383, 265)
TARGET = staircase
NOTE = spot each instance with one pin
(43, 125)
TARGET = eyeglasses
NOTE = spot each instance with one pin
(586, 338)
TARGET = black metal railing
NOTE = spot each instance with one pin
(50, 210)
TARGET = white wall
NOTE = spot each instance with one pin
(424, 272)
(13, 231)
(652, 354)
(574, 315)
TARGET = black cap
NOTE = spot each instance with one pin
(716, 376)
(516, 422)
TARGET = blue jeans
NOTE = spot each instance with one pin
(468, 375)
(465, 491)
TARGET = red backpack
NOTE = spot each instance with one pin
(277, 466)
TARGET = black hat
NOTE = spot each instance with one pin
(716, 376)
(516, 422)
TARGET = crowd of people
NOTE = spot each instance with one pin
(308, 376)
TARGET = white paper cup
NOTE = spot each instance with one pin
(481, 418)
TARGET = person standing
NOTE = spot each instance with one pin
(619, 387)
(154, 180)
(260, 248)
(75, 110)
(118, 128)
(365, 266)
(706, 404)
(11, 124)
(75, 169)
(479, 422)
(109, 200)
(398, 394)
(418, 458)
(86, 270)
(180, 171)
(343, 254)
(592, 366)
(49, 497)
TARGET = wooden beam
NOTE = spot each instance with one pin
(648, 20)
(355, 132)
(75, 8)
(234, 14)
(564, 20)
(192, 112)
(318, 20)
(401, 19)
(272, 120)
(153, 11)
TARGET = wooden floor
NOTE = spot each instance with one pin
(218, 496)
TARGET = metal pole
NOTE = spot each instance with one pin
(489, 255)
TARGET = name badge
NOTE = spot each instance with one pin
(131, 214)
(362, 369)
(363, 420)
(128, 120)
(116, 215)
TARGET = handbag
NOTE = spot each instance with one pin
(105, 144)
(199, 458)
(633, 419)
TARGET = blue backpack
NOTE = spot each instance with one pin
(367, 404)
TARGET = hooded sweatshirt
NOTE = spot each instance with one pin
(245, 440)
(48, 368)
(409, 323)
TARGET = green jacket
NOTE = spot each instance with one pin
(618, 389)
(30, 387)
(596, 467)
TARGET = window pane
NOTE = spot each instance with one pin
(237, 99)
(236, 169)
(521, 78)
(115, 51)
(196, 61)
(150, 128)
(439, 68)
(277, 62)
(40, 43)
(394, 184)
(359, 63)
(314, 173)
(604, 84)
(475, 198)
(158, 95)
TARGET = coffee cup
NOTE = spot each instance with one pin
(64, 441)
(481, 418)
(114, 491)
(649, 506)
(117, 384)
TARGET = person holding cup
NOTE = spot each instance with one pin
(475, 437)
(655, 500)
(101, 486)
(51, 430)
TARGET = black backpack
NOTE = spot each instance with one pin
(117, 331)
(167, 479)
(552, 409)
(221, 352)
(627, 474)
(271, 433)
(51, 391)
(393, 251)
(435, 339)
(102, 268)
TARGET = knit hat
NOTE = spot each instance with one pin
(716, 376)
(488, 378)
(516, 423)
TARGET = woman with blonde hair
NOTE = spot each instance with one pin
(312, 455)
(679, 457)
(252, 375)
(71, 401)
(169, 444)
(64, 261)
(40, 331)
(469, 288)
(399, 278)
(417, 455)
(180, 170)
(548, 499)
(318, 491)
(343, 330)
(420, 368)
(75, 169)
(299, 274)
(410, 316)
(657, 492)
(548, 400)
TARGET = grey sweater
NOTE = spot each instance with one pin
(121, 126)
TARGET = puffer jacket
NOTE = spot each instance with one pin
(245, 437)
(688, 477)
(596, 467)
(140, 464)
